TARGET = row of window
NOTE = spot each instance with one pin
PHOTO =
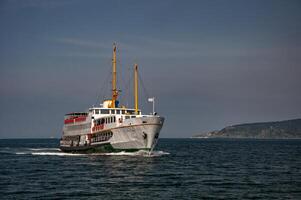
(102, 137)
(111, 111)
(77, 114)
(69, 138)
(77, 127)
(106, 120)
(128, 117)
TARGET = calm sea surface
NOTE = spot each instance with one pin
(178, 169)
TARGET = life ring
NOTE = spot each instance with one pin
(120, 120)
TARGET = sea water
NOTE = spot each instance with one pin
(177, 169)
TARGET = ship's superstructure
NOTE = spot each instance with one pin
(110, 127)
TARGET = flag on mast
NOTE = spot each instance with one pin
(151, 99)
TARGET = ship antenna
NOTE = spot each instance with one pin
(114, 73)
(136, 87)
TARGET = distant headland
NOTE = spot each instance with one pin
(288, 129)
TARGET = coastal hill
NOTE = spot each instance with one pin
(288, 129)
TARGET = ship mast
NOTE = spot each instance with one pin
(114, 74)
(136, 87)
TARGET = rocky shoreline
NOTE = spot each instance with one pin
(287, 129)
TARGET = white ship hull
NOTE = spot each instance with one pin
(132, 135)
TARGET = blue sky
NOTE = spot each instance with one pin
(209, 63)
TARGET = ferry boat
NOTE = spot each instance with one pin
(110, 127)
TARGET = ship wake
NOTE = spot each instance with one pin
(142, 153)
(58, 152)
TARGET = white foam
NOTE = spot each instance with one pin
(55, 154)
(137, 153)
(21, 153)
(38, 151)
(160, 153)
(45, 149)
